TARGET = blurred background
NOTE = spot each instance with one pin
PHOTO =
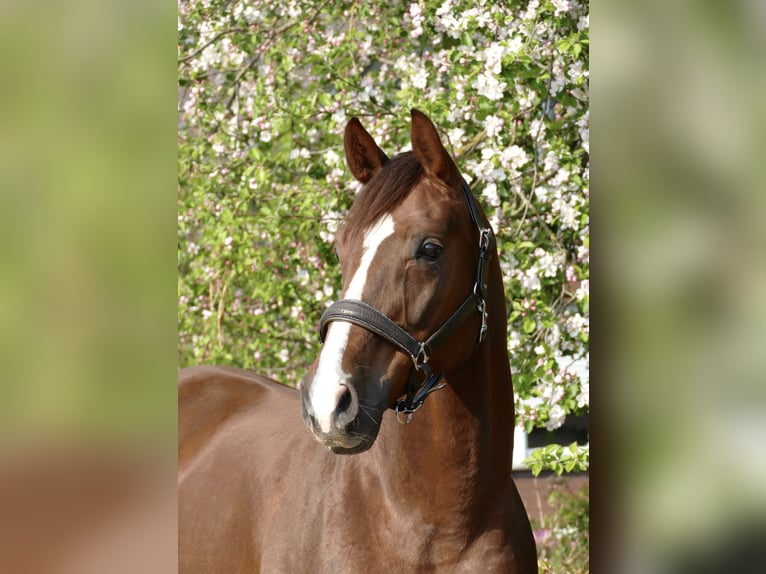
(87, 287)
(678, 132)
(88, 301)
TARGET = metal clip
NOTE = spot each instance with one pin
(402, 409)
(484, 239)
(483, 328)
(405, 421)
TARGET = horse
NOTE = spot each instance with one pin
(418, 338)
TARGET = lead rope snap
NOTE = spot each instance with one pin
(402, 407)
(401, 412)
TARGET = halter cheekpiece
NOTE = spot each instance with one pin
(366, 316)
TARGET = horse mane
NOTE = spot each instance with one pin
(384, 192)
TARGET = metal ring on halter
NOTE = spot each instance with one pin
(421, 359)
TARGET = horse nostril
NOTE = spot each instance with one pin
(344, 402)
(353, 425)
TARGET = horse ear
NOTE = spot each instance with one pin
(363, 155)
(429, 150)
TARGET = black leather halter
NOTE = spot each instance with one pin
(366, 316)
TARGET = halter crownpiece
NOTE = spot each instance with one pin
(366, 316)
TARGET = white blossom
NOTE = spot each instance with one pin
(493, 58)
(583, 254)
(583, 397)
(493, 125)
(488, 86)
(531, 11)
(300, 153)
(542, 192)
(583, 291)
(331, 221)
(557, 84)
(339, 117)
(302, 275)
(537, 129)
(331, 158)
(515, 44)
(575, 325)
(490, 194)
(420, 78)
(551, 162)
(556, 417)
(549, 263)
(567, 212)
(415, 18)
(583, 125)
(560, 6)
(446, 21)
(529, 279)
(513, 157)
(455, 136)
(513, 340)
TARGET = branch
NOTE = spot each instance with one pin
(214, 39)
(472, 145)
(276, 34)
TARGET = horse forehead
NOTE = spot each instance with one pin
(427, 210)
(358, 247)
(378, 232)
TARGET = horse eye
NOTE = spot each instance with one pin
(431, 250)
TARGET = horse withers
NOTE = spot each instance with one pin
(419, 337)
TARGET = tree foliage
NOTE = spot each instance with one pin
(265, 91)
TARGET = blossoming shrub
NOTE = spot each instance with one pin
(563, 538)
(265, 91)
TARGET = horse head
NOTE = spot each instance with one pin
(409, 253)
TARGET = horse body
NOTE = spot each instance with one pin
(257, 492)
(293, 506)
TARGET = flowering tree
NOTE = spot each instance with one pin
(265, 91)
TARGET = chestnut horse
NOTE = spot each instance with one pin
(423, 316)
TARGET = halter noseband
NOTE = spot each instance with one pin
(366, 316)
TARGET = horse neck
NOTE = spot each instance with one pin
(457, 449)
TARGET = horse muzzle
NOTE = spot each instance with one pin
(338, 421)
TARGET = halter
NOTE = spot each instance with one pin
(366, 316)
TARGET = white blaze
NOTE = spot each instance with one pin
(325, 389)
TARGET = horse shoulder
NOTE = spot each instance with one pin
(229, 466)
